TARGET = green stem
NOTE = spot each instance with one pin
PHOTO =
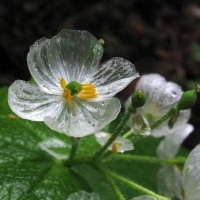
(128, 133)
(117, 132)
(173, 161)
(110, 181)
(172, 112)
(136, 186)
(74, 148)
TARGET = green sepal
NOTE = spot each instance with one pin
(138, 99)
(187, 100)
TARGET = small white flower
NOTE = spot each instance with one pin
(119, 145)
(73, 94)
(82, 195)
(169, 176)
(161, 96)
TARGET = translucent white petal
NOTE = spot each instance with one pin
(82, 195)
(144, 197)
(191, 175)
(73, 55)
(113, 76)
(123, 144)
(164, 129)
(161, 94)
(50, 145)
(170, 182)
(84, 118)
(170, 145)
(152, 85)
(29, 102)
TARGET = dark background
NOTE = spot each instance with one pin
(161, 36)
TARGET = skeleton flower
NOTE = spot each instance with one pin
(74, 93)
(161, 96)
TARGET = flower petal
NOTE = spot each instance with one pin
(170, 145)
(170, 182)
(84, 118)
(123, 144)
(28, 102)
(164, 130)
(72, 55)
(113, 76)
(164, 94)
(152, 85)
(191, 175)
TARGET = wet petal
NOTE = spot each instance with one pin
(152, 85)
(28, 102)
(72, 55)
(84, 118)
(113, 76)
(170, 182)
(170, 145)
(122, 144)
(191, 175)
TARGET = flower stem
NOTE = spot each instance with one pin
(110, 181)
(74, 148)
(173, 161)
(117, 132)
(128, 133)
(172, 112)
(136, 186)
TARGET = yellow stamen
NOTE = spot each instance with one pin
(63, 83)
(115, 147)
(66, 92)
(88, 92)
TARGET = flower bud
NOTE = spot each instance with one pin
(140, 124)
(101, 41)
(138, 99)
(187, 100)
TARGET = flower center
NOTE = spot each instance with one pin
(74, 89)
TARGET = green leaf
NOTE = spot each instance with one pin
(32, 160)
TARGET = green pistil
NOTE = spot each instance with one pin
(74, 87)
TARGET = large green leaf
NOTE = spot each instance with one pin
(31, 160)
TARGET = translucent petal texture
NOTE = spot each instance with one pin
(170, 182)
(164, 129)
(191, 175)
(84, 118)
(170, 145)
(122, 144)
(29, 102)
(144, 197)
(113, 76)
(72, 55)
(82, 195)
(152, 85)
(161, 95)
